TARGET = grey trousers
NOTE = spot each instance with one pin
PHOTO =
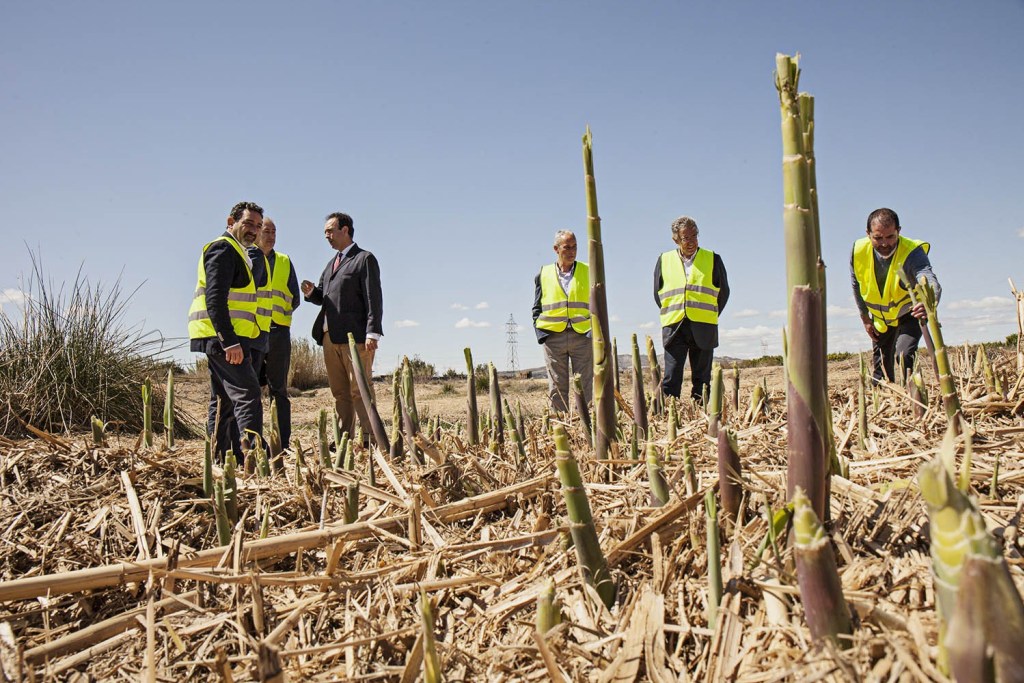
(560, 350)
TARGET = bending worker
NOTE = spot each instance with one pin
(889, 317)
(561, 318)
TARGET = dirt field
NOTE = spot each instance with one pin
(113, 569)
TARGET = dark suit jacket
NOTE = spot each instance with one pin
(704, 334)
(349, 299)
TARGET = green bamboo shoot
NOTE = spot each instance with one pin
(656, 477)
(582, 529)
(169, 409)
(604, 386)
(820, 589)
(639, 399)
(715, 403)
(714, 558)
(730, 474)
(147, 413)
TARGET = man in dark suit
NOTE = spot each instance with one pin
(350, 300)
(691, 289)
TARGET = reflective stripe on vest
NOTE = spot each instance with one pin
(265, 299)
(695, 297)
(886, 306)
(559, 310)
(241, 302)
(282, 301)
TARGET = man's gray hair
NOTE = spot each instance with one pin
(563, 234)
(682, 223)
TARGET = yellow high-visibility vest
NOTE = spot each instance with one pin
(886, 306)
(282, 301)
(560, 310)
(241, 302)
(695, 297)
(265, 298)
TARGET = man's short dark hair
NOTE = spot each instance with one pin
(886, 218)
(344, 220)
(238, 209)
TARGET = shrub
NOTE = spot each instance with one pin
(447, 388)
(307, 366)
(421, 369)
(71, 356)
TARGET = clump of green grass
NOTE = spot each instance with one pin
(67, 354)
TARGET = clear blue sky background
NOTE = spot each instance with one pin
(451, 132)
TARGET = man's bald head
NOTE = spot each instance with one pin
(268, 235)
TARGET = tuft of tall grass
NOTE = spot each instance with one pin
(307, 367)
(67, 354)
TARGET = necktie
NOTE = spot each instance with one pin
(337, 263)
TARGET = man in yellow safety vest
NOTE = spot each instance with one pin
(691, 289)
(284, 287)
(222, 322)
(891, 320)
(561, 319)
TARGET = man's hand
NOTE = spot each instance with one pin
(371, 344)
(869, 327)
(919, 312)
(306, 287)
(234, 355)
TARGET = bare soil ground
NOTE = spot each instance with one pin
(111, 567)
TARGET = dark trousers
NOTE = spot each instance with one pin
(678, 347)
(897, 342)
(240, 407)
(279, 359)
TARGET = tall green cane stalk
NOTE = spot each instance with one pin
(715, 403)
(581, 521)
(410, 412)
(380, 434)
(615, 362)
(862, 407)
(714, 558)
(805, 358)
(925, 293)
(147, 413)
(397, 445)
(604, 388)
(639, 399)
(321, 432)
(169, 410)
(472, 421)
(274, 438)
(581, 407)
(657, 395)
(736, 391)
(497, 421)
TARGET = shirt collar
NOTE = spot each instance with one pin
(344, 252)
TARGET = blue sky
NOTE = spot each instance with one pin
(451, 132)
